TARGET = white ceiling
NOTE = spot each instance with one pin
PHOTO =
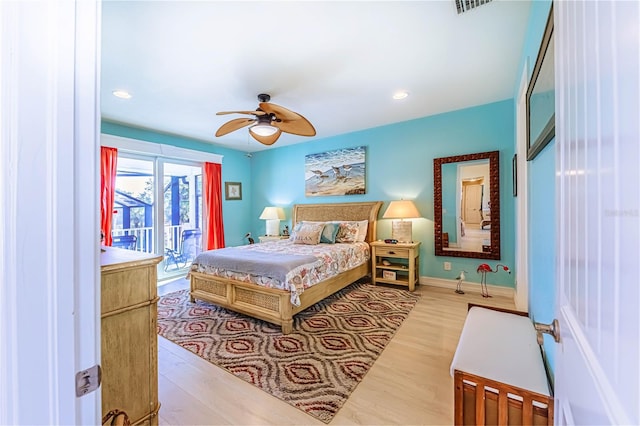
(337, 63)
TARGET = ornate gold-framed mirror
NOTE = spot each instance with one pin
(466, 196)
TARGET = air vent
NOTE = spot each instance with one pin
(466, 5)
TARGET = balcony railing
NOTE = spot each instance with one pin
(172, 236)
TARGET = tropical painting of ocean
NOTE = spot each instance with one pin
(339, 172)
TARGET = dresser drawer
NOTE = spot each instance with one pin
(393, 252)
(127, 287)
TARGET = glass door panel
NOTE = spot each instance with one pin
(182, 217)
(132, 227)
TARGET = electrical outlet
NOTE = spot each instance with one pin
(447, 266)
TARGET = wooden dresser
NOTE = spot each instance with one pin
(129, 340)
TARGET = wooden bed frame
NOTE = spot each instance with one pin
(274, 305)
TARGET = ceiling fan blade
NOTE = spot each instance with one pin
(266, 140)
(280, 111)
(241, 112)
(301, 127)
(234, 124)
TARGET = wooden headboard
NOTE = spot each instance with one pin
(340, 211)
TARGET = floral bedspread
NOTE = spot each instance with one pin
(332, 260)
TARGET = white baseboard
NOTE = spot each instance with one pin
(494, 290)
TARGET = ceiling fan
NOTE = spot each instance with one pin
(268, 123)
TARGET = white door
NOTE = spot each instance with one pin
(472, 202)
(597, 166)
(49, 233)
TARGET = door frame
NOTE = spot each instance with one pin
(521, 297)
(49, 244)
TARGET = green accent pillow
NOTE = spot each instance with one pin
(329, 233)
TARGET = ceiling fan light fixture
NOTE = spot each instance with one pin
(262, 129)
(268, 123)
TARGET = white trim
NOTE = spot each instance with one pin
(49, 315)
(136, 146)
(158, 211)
(9, 148)
(472, 287)
(86, 244)
(522, 219)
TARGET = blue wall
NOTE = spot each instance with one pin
(541, 202)
(400, 165)
(236, 167)
(542, 241)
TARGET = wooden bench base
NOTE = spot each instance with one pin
(499, 378)
(481, 401)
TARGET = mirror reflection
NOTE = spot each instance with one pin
(541, 96)
(466, 207)
(466, 199)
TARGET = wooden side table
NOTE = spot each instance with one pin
(395, 263)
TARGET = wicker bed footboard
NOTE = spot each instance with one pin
(268, 304)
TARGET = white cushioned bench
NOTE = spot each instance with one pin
(499, 375)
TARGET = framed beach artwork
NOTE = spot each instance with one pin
(339, 172)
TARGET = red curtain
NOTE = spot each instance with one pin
(108, 167)
(212, 189)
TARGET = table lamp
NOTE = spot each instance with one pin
(273, 216)
(402, 209)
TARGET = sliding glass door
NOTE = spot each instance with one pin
(182, 216)
(158, 209)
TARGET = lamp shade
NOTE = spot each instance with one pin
(402, 209)
(272, 213)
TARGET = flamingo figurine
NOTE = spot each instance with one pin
(460, 278)
(483, 268)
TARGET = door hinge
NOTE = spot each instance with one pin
(88, 380)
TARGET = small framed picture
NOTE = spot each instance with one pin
(233, 190)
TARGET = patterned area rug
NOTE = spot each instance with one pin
(315, 368)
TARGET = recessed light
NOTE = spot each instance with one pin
(122, 94)
(400, 95)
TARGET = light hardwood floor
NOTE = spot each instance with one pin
(409, 384)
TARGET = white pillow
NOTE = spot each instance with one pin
(362, 230)
(307, 233)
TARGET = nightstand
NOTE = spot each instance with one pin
(265, 238)
(403, 263)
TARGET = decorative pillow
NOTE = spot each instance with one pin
(362, 230)
(362, 226)
(307, 233)
(329, 233)
(348, 233)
